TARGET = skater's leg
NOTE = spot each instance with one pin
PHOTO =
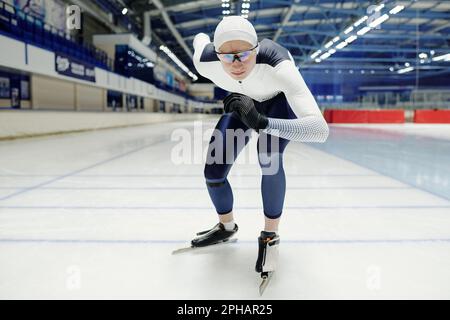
(273, 189)
(270, 156)
(273, 181)
(271, 225)
(229, 138)
(273, 185)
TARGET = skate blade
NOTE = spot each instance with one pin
(265, 282)
(182, 250)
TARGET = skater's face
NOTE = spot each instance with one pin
(238, 58)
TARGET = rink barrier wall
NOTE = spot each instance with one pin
(432, 116)
(40, 64)
(364, 116)
(24, 124)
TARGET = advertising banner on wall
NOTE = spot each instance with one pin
(74, 68)
(169, 79)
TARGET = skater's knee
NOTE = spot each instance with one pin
(270, 163)
(214, 174)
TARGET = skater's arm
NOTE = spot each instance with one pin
(310, 126)
(201, 40)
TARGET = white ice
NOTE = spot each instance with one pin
(96, 215)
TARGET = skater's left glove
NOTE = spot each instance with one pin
(244, 107)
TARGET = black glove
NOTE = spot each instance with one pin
(246, 111)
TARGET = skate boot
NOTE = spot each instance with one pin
(267, 260)
(216, 235)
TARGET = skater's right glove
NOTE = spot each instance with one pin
(245, 109)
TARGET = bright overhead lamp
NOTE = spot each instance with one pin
(357, 23)
(397, 9)
(348, 30)
(124, 11)
(351, 39)
(326, 55)
(177, 61)
(342, 45)
(445, 57)
(329, 44)
(379, 21)
(405, 70)
(363, 31)
(315, 54)
(381, 6)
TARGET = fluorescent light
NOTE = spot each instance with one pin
(326, 55)
(445, 57)
(348, 30)
(318, 60)
(397, 9)
(342, 45)
(351, 39)
(336, 39)
(357, 23)
(176, 60)
(332, 51)
(379, 21)
(315, 54)
(423, 55)
(124, 11)
(329, 44)
(381, 6)
(405, 70)
(363, 31)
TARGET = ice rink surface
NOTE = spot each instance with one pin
(96, 215)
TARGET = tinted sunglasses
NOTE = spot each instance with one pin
(240, 56)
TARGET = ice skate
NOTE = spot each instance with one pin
(267, 260)
(212, 237)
